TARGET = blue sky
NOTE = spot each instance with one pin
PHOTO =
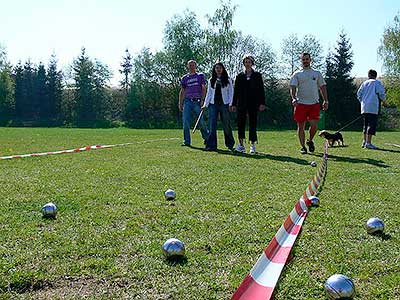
(36, 29)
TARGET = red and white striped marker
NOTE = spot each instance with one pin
(260, 283)
(263, 277)
(86, 148)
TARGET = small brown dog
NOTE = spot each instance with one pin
(332, 138)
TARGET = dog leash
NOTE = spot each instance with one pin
(347, 125)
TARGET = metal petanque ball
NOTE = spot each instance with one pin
(339, 286)
(173, 248)
(170, 194)
(314, 200)
(313, 164)
(375, 225)
(49, 210)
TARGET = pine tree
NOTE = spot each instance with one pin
(91, 91)
(126, 71)
(24, 77)
(18, 75)
(54, 90)
(340, 84)
(40, 108)
(83, 75)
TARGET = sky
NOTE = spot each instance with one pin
(36, 29)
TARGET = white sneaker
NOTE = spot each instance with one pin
(240, 148)
(371, 146)
(252, 149)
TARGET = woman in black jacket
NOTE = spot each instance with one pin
(249, 98)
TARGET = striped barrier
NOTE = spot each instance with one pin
(260, 283)
(76, 150)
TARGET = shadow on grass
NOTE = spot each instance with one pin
(382, 235)
(387, 150)
(258, 155)
(176, 261)
(369, 161)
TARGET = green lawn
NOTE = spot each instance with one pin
(112, 220)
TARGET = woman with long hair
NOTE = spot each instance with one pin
(218, 101)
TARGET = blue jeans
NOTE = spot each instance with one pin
(213, 111)
(189, 107)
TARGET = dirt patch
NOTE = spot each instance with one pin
(69, 288)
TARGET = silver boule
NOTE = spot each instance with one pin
(314, 200)
(49, 210)
(173, 248)
(339, 286)
(170, 194)
(375, 225)
(313, 163)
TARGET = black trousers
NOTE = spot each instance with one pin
(242, 114)
(370, 123)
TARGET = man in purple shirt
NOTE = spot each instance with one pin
(191, 99)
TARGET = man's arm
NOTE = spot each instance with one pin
(381, 91)
(261, 106)
(360, 92)
(324, 93)
(182, 94)
(293, 92)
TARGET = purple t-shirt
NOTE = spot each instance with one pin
(192, 84)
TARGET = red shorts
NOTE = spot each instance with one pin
(303, 113)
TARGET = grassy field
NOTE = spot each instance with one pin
(112, 219)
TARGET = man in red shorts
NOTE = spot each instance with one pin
(304, 90)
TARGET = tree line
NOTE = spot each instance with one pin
(36, 95)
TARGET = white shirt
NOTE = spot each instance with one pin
(368, 94)
(226, 91)
(307, 82)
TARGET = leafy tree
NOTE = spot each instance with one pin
(6, 89)
(155, 76)
(293, 47)
(340, 85)
(221, 38)
(291, 53)
(389, 51)
(183, 40)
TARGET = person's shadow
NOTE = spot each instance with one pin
(258, 155)
(387, 150)
(370, 161)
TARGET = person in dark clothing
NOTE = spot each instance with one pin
(248, 99)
